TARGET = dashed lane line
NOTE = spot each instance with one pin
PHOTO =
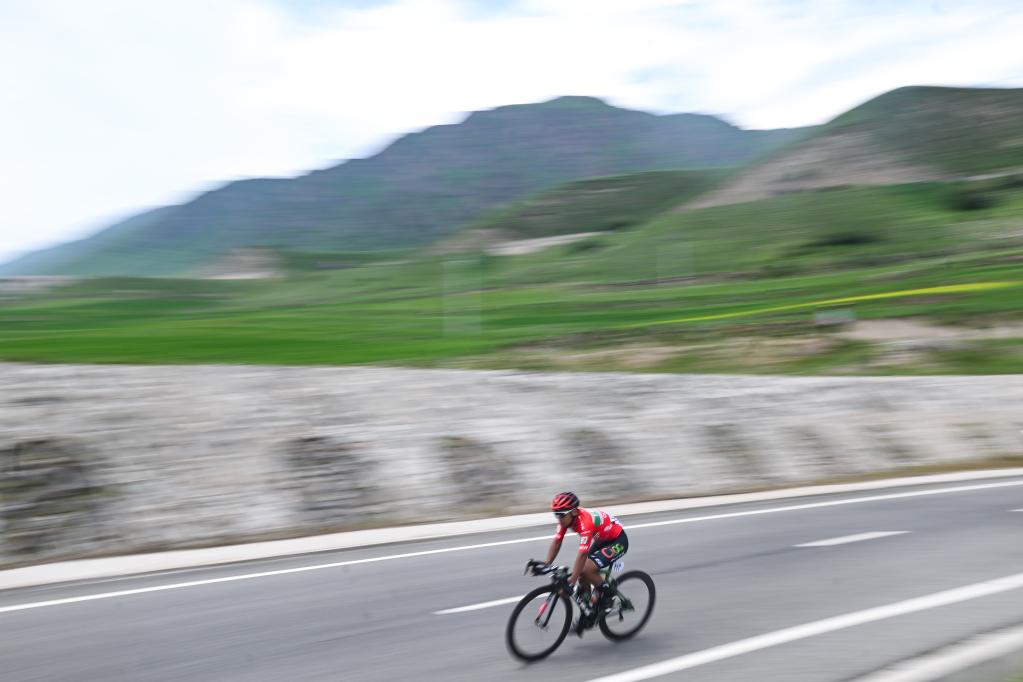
(846, 539)
(482, 605)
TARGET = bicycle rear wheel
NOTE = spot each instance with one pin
(538, 624)
(631, 606)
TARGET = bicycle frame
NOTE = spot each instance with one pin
(559, 576)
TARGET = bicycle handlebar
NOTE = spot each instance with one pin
(537, 567)
(543, 568)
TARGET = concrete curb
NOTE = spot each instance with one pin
(990, 657)
(90, 569)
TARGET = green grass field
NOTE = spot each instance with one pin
(726, 289)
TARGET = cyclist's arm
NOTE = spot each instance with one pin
(577, 568)
(552, 553)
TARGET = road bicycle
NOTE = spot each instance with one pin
(541, 620)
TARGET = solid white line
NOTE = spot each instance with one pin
(250, 576)
(770, 639)
(483, 605)
(406, 555)
(852, 538)
(137, 564)
(940, 665)
(831, 503)
(1019, 510)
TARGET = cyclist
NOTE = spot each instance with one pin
(602, 541)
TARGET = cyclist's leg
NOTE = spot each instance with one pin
(604, 556)
(591, 576)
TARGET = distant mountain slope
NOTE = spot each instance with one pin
(422, 187)
(962, 131)
(907, 135)
(598, 204)
(593, 205)
(112, 244)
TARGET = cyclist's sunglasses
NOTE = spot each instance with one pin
(559, 514)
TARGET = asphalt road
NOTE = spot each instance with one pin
(726, 576)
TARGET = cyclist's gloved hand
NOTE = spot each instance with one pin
(536, 567)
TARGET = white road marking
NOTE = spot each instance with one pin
(483, 605)
(1019, 510)
(831, 503)
(852, 538)
(428, 552)
(848, 620)
(250, 576)
(951, 660)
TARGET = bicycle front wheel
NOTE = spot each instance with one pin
(631, 606)
(538, 624)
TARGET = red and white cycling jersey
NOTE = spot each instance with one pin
(594, 526)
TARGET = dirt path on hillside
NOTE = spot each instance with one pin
(894, 330)
(842, 159)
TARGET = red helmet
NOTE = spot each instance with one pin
(564, 502)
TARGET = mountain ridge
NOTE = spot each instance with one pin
(419, 188)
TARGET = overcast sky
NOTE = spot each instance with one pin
(112, 106)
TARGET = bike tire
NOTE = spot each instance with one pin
(509, 635)
(634, 577)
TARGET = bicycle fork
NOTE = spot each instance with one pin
(543, 616)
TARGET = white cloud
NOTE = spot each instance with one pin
(111, 105)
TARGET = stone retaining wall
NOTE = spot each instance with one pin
(110, 459)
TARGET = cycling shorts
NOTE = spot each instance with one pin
(606, 553)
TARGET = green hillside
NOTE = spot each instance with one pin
(913, 134)
(92, 254)
(789, 234)
(961, 130)
(725, 289)
(599, 204)
(422, 187)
